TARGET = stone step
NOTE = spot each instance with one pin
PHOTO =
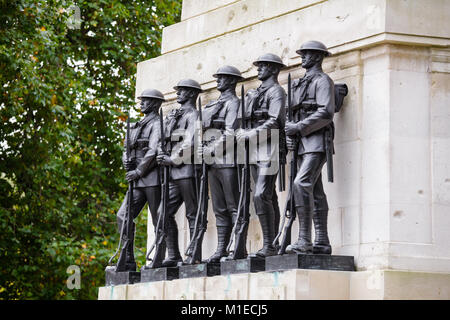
(291, 285)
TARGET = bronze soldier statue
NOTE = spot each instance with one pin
(221, 115)
(179, 132)
(142, 172)
(313, 101)
(264, 112)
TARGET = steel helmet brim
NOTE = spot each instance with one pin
(190, 87)
(314, 45)
(282, 65)
(325, 52)
(228, 71)
(188, 83)
(215, 75)
(152, 93)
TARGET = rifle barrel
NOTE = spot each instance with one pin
(289, 98)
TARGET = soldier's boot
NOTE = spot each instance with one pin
(129, 258)
(240, 251)
(267, 226)
(223, 238)
(173, 252)
(157, 259)
(321, 241)
(303, 244)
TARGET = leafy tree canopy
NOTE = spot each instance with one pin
(66, 86)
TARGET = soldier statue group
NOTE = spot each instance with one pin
(174, 160)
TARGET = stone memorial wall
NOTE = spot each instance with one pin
(390, 202)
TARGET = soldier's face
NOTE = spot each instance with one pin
(264, 71)
(148, 104)
(310, 58)
(183, 95)
(145, 105)
(224, 82)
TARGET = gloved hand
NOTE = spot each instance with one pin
(130, 164)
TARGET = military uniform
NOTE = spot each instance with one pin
(179, 128)
(222, 174)
(144, 137)
(264, 111)
(313, 101)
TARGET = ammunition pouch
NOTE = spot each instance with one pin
(259, 116)
(304, 110)
(218, 124)
(141, 144)
(141, 147)
(308, 107)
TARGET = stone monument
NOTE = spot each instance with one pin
(389, 203)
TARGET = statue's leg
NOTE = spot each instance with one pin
(187, 188)
(173, 204)
(320, 217)
(218, 186)
(153, 195)
(264, 188)
(230, 183)
(310, 166)
(137, 204)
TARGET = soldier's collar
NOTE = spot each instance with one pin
(186, 108)
(313, 71)
(267, 84)
(146, 119)
(226, 96)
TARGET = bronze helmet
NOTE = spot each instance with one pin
(152, 93)
(229, 71)
(315, 46)
(188, 83)
(269, 57)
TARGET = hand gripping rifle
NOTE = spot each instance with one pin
(126, 235)
(161, 226)
(192, 251)
(289, 209)
(244, 199)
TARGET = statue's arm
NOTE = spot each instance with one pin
(186, 147)
(149, 160)
(277, 111)
(325, 111)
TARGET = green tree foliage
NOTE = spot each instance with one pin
(65, 92)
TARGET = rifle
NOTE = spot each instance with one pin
(289, 209)
(202, 210)
(244, 199)
(128, 221)
(329, 153)
(161, 226)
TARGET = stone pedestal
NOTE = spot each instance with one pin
(242, 266)
(310, 261)
(299, 284)
(114, 278)
(159, 274)
(199, 270)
